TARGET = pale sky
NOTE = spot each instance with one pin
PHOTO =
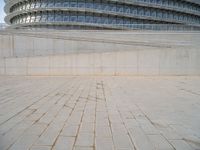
(2, 14)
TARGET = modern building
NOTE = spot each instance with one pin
(106, 14)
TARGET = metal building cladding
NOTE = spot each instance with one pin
(104, 14)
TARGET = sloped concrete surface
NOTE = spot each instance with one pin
(99, 113)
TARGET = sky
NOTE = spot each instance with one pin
(2, 14)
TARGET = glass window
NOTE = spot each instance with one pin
(140, 11)
(95, 19)
(180, 17)
(127, 21)
(81, 4)
(153, 13)
(73, 17)
(119, 8)
(27, 5)
(16, 20)
(88, 18)
(194, 8)
(184, 5)
(164, 14)
(89, 4)
(113, 21)
(99, 19)
(170, 15)
(51, 3)
(58, 16)
(175, 3)
(58, 3)
(105, 6)
(44, 17)
(133, 21)
(38, 17)
(109, 20)
(97, 5)
(164, 2)
(147, 12)
(38, 4)
(21, 20)
(51, 17)
(44, 3)
(105, 19)
(113, 7)
(32, 18)
(19, 7)
(134, 10)
(66, 4)
(171, 3)
(181, 5)
(66, 16)
(73, 3)
(81, 17)
(13, 9)
(119, 21)
(159, 14)
(23, 7)
(127, 9)
(28, 18)
(32, 4)
(12, 20)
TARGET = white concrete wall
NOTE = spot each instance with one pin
(137, 62)
(100, 53)
(6, 45)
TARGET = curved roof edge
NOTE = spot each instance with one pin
(8, 17)
(10, 3)
(193, 1)
(67, 23)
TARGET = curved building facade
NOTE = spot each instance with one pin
(106, 14)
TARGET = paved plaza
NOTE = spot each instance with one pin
(99, 113)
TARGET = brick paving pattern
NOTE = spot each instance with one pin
(99, 113)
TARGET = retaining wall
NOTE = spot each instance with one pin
(99, 53)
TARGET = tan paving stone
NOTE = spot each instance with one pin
(83, 148)
(64, 143)
(160, 142)
(41, 148)
(80, 112)
(24, 143)
(85, 139)
(180, 145)
(70, 130)
(104, 143)
(140, 140)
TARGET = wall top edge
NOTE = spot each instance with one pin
(191, 1)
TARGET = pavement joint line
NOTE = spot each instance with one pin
(24, 109)
(65, 121)
(128, 113)
(33, 124)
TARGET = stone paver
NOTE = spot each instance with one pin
(99, 113)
